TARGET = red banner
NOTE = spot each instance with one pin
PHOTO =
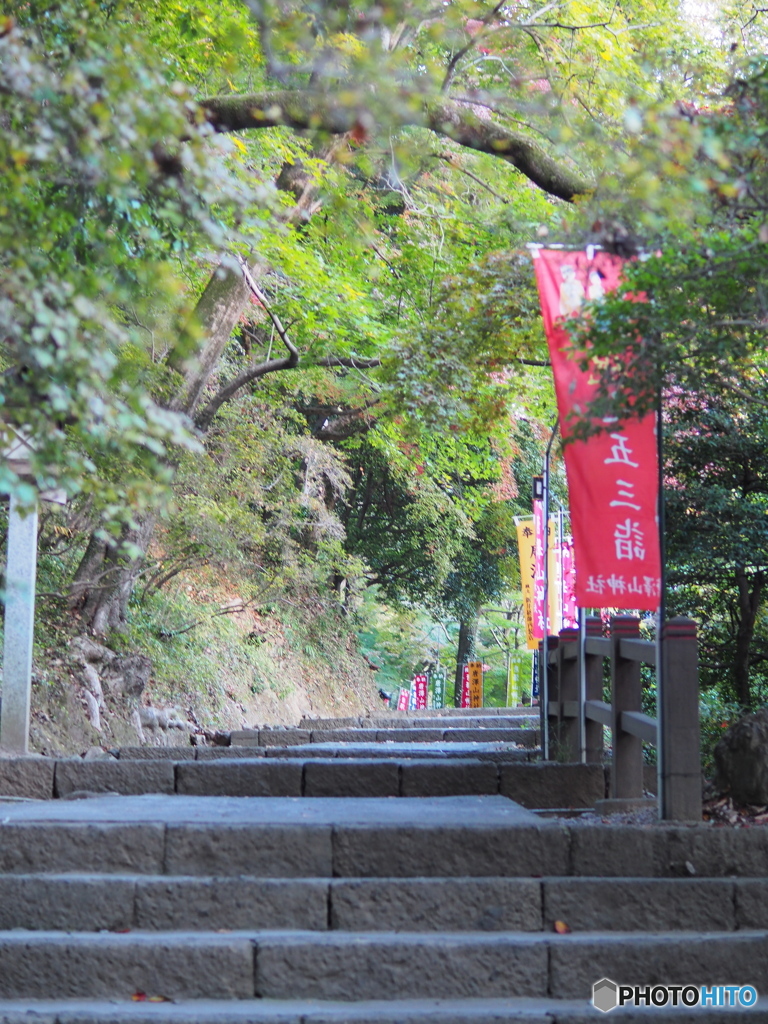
(613, 476)
(402, 699)
(465, 687)
(420, 689)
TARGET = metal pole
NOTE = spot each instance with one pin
(21, 566)
(660, 679)
(543, 685)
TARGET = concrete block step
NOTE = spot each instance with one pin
(403, 720)
(432, 837)
(418, 734)
(72, 902)
(269, 1011)
(367, 965)
(498, 752)
(294, 774)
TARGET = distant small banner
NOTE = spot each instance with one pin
(420, 692)
(526, 542)
(518, 665)
(437, 677)
(475, 671)
(402, 699)
(465, 687)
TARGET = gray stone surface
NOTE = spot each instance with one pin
(497, 752)
(111, 848)
(269, 1011)
(351, 778)
(244, 738)
(128, 777)
(615, 851)
(545, 784)
(679, 958)
(713, 852)
(452, 778)
(240, 777)
(231, 903)
(452, 851)
(285, 851)
(214, 753)
(425, 904)
(375, 966)
(152, 753)
(66, 902)
(634, 904)
(282, 737)
(45, 964)
(751, 899)
(30, 777)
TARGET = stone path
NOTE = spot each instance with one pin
(207, 887)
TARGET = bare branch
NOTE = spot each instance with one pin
(322, 112)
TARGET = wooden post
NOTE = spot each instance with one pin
(595, 747)
(626, 695)
(678, 711)
(553, 697)
(568, 670)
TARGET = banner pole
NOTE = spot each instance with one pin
(660, 681)
(544, 685)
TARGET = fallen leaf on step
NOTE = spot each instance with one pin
(139, 997)
(561, 928)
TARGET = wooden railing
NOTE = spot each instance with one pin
(577, 714)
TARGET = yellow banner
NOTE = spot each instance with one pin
(475, 684)
(526, 543)
(519, 663)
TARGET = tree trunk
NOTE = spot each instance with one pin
(106, 576)
(466, 650)
(749, 604)
(104, 580)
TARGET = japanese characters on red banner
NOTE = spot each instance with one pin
(465, 687)
(420, 690)
(612, 476)
(402, 699)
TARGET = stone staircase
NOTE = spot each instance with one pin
(276, 880)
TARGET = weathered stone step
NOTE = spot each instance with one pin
(400, 1011)
(435, 720)
(458, 836)
(536, 785)
(92, 902)
(490, 751)
(366, 965)
(418, 734)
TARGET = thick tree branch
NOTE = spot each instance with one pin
(354, 362)
(204, 419)
(443, 116)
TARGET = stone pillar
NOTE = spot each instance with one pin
(21, 567)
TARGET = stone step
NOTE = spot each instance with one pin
(96, 902)
(402, 720)
(400, 1011)
(535, 785)
(417, 734)
(479, 836)
(366, 965)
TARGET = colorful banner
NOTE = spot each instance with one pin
(518, 670)
(612, 476)
(402, 699)
(527, 548)
(475, 672)
(438, 677)
(465, 687)
(420, 692)
(538, 578)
